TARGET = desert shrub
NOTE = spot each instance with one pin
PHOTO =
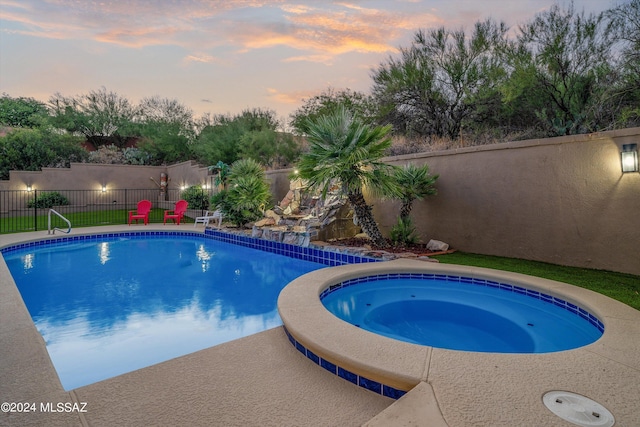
(135, 156)
(247, 195)
(196, 196)
(107, 154)
(403, 233)
(47, 200)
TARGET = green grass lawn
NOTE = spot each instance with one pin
(619, 286)
(23, 224)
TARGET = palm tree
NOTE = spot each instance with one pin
(343, 148)
(415, 184)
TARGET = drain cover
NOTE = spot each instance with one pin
(578, 409)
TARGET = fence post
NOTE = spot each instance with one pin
(202, 210)
(35, 210)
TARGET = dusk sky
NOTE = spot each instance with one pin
(223, 56)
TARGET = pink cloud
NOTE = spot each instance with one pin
(321, 29)
(137, 37)
(293, 98)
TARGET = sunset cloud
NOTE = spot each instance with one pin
(321, 29)
(204, 58)
(221, 55)
(295, 97)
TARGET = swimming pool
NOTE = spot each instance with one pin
(109, 304)
(462, 313)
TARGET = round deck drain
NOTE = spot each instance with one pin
(578, 409)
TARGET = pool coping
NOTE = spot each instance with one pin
(453, 388)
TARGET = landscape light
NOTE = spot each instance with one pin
(629, 158)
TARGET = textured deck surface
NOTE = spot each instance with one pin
(263, 380)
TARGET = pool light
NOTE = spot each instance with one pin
(629, 158)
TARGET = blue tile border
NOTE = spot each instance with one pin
(329, 258)
(345, 374)
(322, 256)
(61, 241)
(565, 305)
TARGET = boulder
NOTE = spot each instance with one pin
(437, 246)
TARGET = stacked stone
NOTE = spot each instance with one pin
(300, 216)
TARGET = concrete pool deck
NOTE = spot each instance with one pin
(263, 380)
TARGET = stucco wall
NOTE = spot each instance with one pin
(560, 200)
(186, 174)
(92, 176)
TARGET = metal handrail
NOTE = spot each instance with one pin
(53, 231)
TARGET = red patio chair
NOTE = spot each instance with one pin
(144, 207)
(177, 213)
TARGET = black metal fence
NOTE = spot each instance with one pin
(22, 210)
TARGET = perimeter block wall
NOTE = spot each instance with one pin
(559, 200)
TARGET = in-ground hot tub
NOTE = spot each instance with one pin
(462, 313)
(391, 366)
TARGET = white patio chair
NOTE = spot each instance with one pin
(208, 216)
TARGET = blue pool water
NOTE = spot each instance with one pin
(114, 305)
(462, 315)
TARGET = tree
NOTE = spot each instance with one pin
(165, 128)
(415, 183)
(252, 133)
(271, 148)
(22, 112)
(103, 117)
(625, 92)
(558, 64)
(157, 109)
(344, 148)
(360, 104)
(32, 149)
(441, 80)
(625, 19)
(164, 142)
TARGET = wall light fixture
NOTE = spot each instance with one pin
(629, 158)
